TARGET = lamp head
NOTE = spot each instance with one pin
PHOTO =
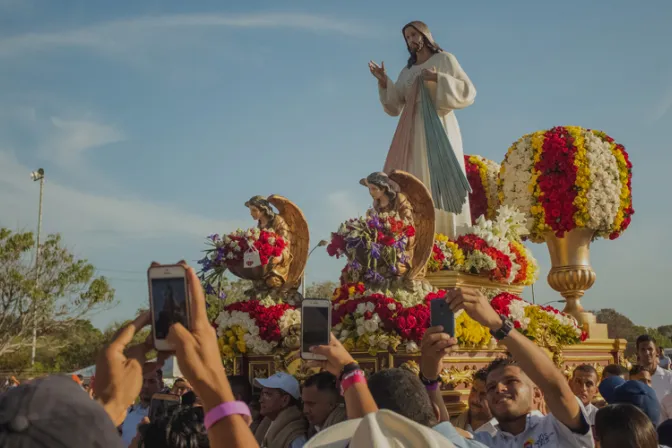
(37, 175)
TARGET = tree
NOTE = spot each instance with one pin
(666, 330)
(620, 326)
(321, 290)
(53, 298)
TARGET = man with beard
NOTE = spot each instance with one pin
(514, 383)
(448, 88)
(647, 357)
(150, 386)
(477, 417)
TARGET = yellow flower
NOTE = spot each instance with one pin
(229, 333)
(349, 344)
(581, 216)
(238, 331)
(232, 341)
(470, 333)
(242, 347)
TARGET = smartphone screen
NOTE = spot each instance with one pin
(441, 314)
(169, 299)
(315, 326)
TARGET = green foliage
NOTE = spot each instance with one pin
(621, 327)
(54, 298)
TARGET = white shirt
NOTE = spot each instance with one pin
(661, 382)
(540, 431)
(591, 411)
(130, 426)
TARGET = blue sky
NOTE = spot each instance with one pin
(155, 121)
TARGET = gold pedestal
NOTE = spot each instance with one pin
(454, 279)
(571, 275)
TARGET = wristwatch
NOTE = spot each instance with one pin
(503, 332)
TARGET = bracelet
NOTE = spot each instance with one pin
(226, 409)
(352, 378)
(353, 366)
(427, 382)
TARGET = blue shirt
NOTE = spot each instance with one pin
(447, 430)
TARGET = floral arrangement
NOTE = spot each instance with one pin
(255, 326)
(543, 324)
(373, 245)
(482, 175)
(371, 321)
(489, 248)
(568, 177)
(228, 251)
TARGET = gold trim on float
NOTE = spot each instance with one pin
(454, 279)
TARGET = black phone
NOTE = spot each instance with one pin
(163, 405)
(441, 314)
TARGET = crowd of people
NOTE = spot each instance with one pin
(522, 400)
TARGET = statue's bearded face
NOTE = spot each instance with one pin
(255, 213)
(414, 39)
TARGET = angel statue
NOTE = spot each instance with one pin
(427, 142)
(286, 270)
(404, 194)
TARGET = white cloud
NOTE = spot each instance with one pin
(69, 139)
(88, 216)
(117, 35)
(664, 105)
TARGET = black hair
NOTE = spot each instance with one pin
(587, 368)
(624, 426)
(665, 433)
(614, 370)
(481, 375)
(645, 338)
(323, 381)
(636, 370)
(401, 391)
(185, 428)
(241, 388)
(500, 363)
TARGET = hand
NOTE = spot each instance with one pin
(476, 305)
(337, 356)
(435, 345)
(430, 74)
(118, 374)
(197, 351)
(378, 71)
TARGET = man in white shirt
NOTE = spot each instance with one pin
(584, 386)
(513, 383)
(647, 357)
(150, 386)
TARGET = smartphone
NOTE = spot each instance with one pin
(163, 405)
(315, 326)
(168, 301)
(441, 314)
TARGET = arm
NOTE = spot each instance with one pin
(532, 360)
(454, 89)
(391, 98)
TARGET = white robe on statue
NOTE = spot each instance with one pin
(453, 91)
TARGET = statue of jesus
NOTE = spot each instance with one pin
(448, 87)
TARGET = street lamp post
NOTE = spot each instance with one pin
(37, 176)
(322, 243)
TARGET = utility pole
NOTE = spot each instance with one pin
(37, 176)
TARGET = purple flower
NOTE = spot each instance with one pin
(209, 289)
(352, 243)
(222, 295)
(355, 265)
(375, 251)
(214, 237)
(373, 277)
(374, 222)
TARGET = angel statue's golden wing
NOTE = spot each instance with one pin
(300, 238)
(423, 217)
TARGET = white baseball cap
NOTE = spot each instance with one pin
(280, 380)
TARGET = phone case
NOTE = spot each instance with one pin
(441, 314)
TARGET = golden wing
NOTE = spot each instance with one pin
(423, 217)
(300, 238)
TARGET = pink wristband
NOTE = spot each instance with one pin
(351, 379)
(224, 410)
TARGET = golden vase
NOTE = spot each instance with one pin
(571, 274)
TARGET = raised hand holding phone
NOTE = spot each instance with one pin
(315, 326)
(442, 315)
(169, 301)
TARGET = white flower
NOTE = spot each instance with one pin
(360, 330)
(361, 308)
(370, 326)
(411, 347)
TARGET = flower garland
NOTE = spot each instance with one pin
(256, 327)
(539, 323)
(482, 175)
(566, 178)
(373, 245)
